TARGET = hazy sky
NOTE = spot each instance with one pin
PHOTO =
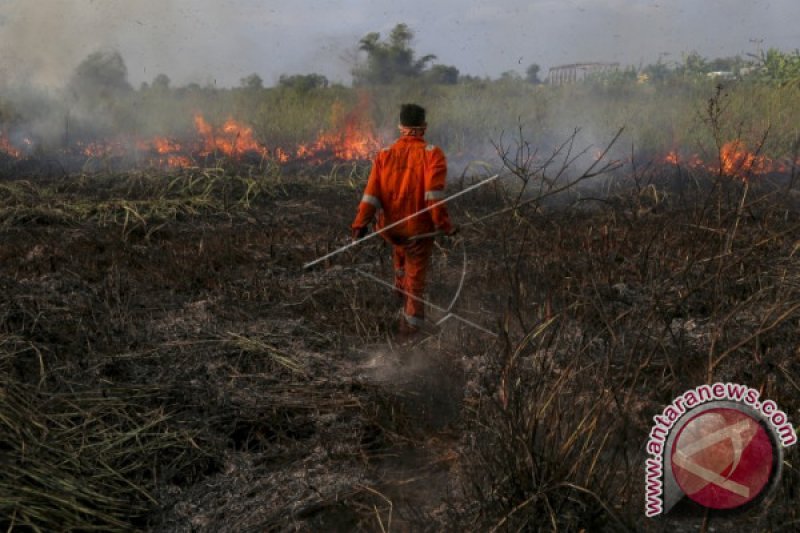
(225, 40)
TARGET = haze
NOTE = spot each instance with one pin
(219, 42)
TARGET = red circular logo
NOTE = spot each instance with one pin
(722, 458)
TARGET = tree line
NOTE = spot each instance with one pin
(394, 60)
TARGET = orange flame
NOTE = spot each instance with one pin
(672, 158)
(163, 145)
(281, 155)
(8, 148)
(170, 150)
(102, 149)
(353, 136)
(738, 162)
(233, 139)
(734, 161)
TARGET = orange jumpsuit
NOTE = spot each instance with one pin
(406, 178)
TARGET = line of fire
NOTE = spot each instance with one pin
(352, 137)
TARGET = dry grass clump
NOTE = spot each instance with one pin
(615, 298)
(87, 460)
(546, 443)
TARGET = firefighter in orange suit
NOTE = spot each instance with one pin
(406, 178)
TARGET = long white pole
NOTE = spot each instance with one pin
(390, 226)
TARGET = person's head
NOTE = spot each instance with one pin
(412, 120)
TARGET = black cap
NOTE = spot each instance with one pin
(412, 116)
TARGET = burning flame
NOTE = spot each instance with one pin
(100, 149)
(163, 145)
(737, 161)
(734, 160)
(170, 149)
(7, 148)
(672, 158)
(169, 152)
(351, 137)
(233, 139)
(281, 155)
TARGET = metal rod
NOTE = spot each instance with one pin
(425, 235)
(392, 225)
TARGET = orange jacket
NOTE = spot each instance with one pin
(406, 178)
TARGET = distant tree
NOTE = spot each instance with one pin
(389, 60)
(781, 67)
(532, 74)
(303, 82)
(617, 80)
(510, 75)
(726, 64)
(161, 81)
(253, 82)
(101, 75)
(694, 63)
(442, 74)
(469, 78)
(657, 72)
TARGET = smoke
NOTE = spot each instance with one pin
(45, 45)
(192, 41)
(426, 381)
(42, 42)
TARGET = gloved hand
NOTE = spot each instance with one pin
(450, 231)
(359, 233)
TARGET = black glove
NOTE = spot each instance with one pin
(452, 231)
(359, 233)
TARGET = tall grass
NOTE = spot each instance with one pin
(657, 117)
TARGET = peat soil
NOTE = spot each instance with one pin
(167, 364)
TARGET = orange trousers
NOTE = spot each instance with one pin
(410, 268)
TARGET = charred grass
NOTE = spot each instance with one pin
(167, 364)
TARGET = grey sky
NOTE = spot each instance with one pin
(225, 40)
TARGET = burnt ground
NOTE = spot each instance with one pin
(168, 365)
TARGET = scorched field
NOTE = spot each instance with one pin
(168, 364)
